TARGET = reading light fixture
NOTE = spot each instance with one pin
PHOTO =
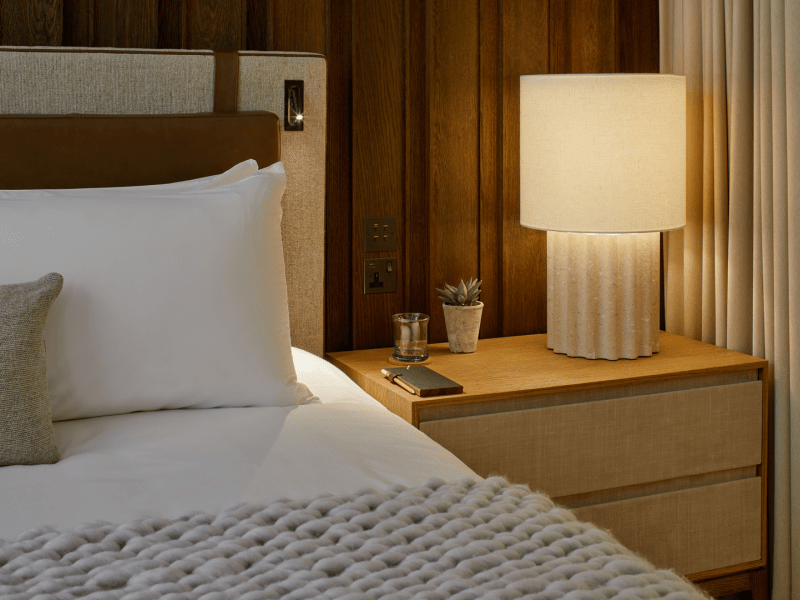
(603, 171)
(293, 104)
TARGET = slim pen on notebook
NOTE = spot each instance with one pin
(395, 379)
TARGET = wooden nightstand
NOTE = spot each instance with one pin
(669, 452)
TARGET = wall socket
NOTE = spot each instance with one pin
(380, 234)
(380, 275)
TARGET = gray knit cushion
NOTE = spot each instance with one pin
(26, 430)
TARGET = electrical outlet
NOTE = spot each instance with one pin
(380, 275)
(380, 234)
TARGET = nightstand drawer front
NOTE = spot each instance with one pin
(692, 530)
(578, 448)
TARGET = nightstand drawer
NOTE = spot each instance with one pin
(578, 448)
(692, 530)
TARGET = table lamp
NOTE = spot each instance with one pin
(603, 171)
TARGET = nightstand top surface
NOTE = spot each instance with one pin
(521, 366)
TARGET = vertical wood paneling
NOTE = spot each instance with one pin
(416, 272)
(592, 36)
(525, 52)
(136, 24)
(297, 25)
(454, 133)
(31, 22)
(636, 39)
(491, 267)
(423, 124)
(559, 26)
(172, 23)
(105, 23)
(582, 34)
(216, 24)
(259, 25)
(378, 167)
(338, 202)
(78, 23)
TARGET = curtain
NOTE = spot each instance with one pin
(732, 275)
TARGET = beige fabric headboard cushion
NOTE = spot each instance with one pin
(58, 81)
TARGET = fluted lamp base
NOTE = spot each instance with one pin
(603, 294)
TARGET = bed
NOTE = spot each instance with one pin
(168, 427)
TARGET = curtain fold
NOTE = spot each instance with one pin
(732, 276)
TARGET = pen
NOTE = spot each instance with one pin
(395, 379)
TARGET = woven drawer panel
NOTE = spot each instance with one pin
(578, 448)
(692, 530)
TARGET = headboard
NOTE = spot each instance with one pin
(61, 81)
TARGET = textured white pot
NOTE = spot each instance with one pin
(463, 326)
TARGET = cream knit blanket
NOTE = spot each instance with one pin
(461, 541)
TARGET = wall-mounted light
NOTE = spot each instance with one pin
(293, 108)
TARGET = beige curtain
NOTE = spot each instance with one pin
(733, 274)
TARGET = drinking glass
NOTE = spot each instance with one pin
(410, 337)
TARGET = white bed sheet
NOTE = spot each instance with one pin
(166, 463)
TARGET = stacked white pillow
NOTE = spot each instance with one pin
(174, 296)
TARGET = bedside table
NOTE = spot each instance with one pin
(669, 452)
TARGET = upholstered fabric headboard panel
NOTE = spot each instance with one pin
(110, 81)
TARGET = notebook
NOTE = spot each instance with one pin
(423, 381)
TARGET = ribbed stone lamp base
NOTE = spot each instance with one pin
(603, 294)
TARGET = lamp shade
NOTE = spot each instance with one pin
(603, 153)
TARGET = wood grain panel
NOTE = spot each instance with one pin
(299, 25)
(78, 18)
(490, 157)
(582, 36)
(416, 264)
(636, 36)
(172, 24)
(105, 23)
(136, 24)
(378, 167)
(338, 200)
(31, 22)
(726, 586)
(591, 36)
(578, 448)
(260, 25)
(559, 26)
(454, 149)
(692, 531)
(216, 24)
(524, 251)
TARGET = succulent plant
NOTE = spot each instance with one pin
(466, 294)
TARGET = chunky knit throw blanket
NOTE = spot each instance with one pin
(461, 541)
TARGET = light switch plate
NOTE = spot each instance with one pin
(380, 275)
(380, 234)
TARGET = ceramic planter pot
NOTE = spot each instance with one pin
(463, 326)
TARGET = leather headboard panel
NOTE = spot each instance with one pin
(76, 151)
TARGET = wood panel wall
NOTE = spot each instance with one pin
(423, 108)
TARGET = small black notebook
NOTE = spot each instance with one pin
(426, 382)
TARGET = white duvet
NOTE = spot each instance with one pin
(166, 463)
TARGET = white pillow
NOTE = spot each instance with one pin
(235, 173)
(170, 300)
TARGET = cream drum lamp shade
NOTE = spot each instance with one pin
(603, 154)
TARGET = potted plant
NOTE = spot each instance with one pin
(462, 315)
